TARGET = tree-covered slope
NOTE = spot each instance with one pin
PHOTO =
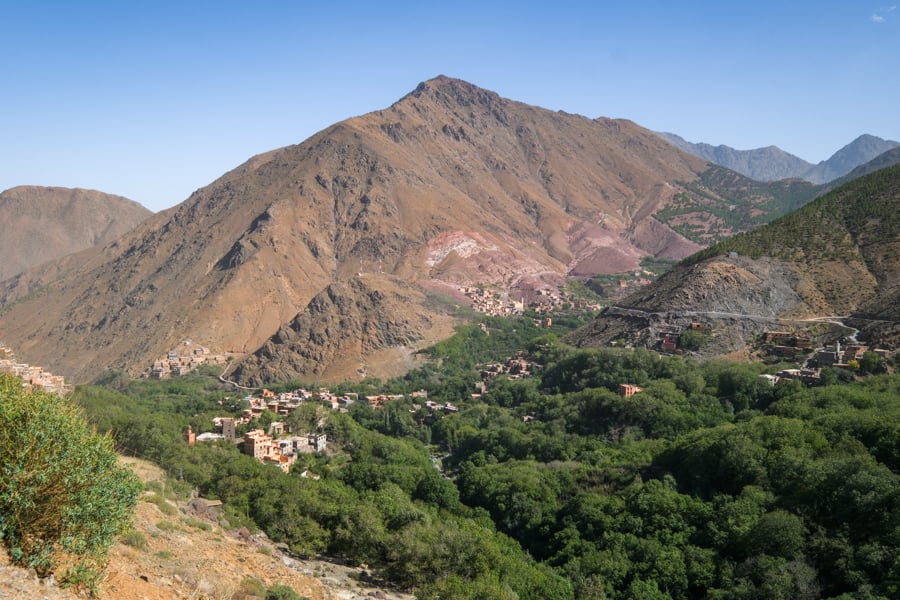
(722, 203)
(707, 483)
(843, 224)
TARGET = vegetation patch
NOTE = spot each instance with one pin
(604, 474)
(63, 497)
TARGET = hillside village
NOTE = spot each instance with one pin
(182, 360)
(279, 446)
(32, 376)
(794, 346)
(542, 301)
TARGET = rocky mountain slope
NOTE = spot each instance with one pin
(836, 259)
(323, 255)
(772, 163)
(46, 223)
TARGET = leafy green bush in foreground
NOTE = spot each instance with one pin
(63, 497)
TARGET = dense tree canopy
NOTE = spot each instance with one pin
(708, 483)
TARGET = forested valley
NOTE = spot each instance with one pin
(708, 483)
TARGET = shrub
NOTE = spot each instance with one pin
(63, 497)
(251, 586)
(283, 592)
(135, 539)
(691, 340)
(163, 505)
(196, 523)
(167, 526)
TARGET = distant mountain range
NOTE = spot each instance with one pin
(46, 223)
(772, 163)
(341, 256)
(836, 260)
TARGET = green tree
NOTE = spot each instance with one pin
(691, 339)
(870, 362)
(63, 497)
(283, 592)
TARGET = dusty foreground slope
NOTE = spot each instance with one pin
(836, 259)
(451, 185)
(188, 556)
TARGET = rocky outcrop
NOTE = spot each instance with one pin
(339, 330)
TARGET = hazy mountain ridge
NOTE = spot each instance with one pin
(47, 223)
(772, 163)
(452, 184)
(762, 164)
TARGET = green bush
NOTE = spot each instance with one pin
(135, 539)
(167, 526)
(253, 587)
(63, 497)
(283, 592)
(163, 505)
(196, 523)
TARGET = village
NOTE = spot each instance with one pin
(182, 360)
(542, 301)
(33, 377)
(279, 446)
(793, 346)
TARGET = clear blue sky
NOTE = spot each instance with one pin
(152, 100)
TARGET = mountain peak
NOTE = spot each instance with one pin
(858, 152)
(449, 91)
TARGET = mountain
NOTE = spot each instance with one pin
(772, 163)
(737, 204)
(761, 164)
(46, 223)
(856, 153)
(835, 260)
(886, 159)
(340, 256)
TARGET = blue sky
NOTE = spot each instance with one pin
(152, 100)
